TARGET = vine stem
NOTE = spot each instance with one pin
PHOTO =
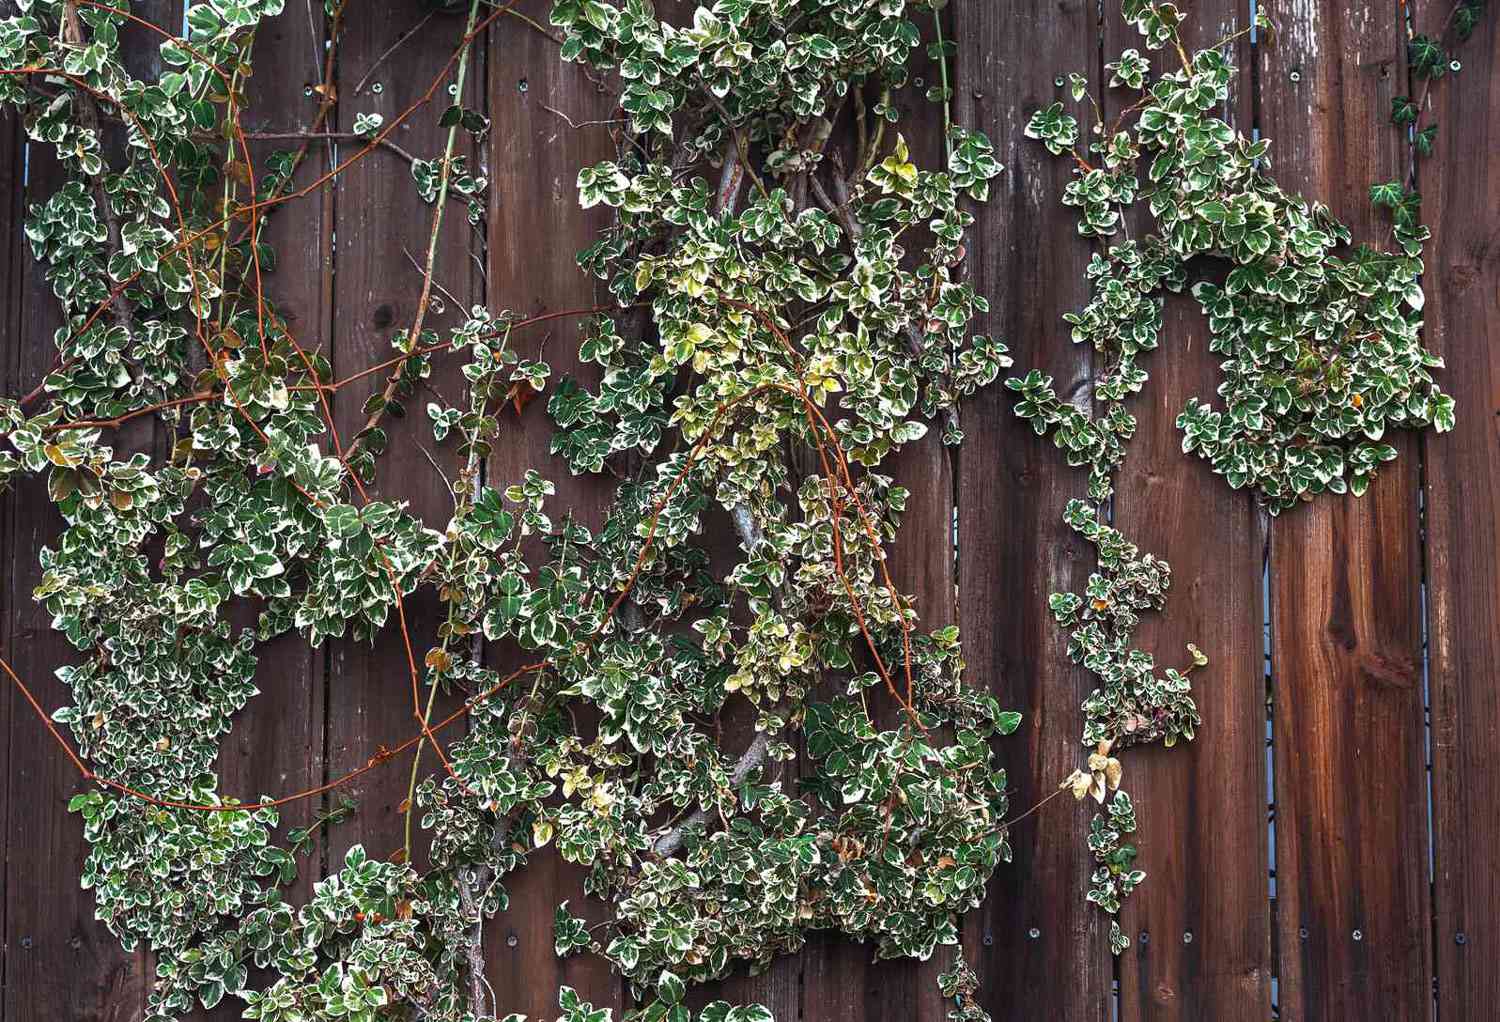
(88, 119)
(188, 238)
(1017, 819)
(937, 24)
(463, 500)
(1425, 98)
(412, 336)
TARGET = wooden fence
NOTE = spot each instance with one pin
(1328, 848)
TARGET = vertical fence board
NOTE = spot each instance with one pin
(1200, 926)
(381, 233)
(276, 744)
(842, 976)
(1352, 843)
(59, 958)
(60, 961)
(12, 288)
(1351, 876)
(1014, 548)
(536, 229)
(1461, 188)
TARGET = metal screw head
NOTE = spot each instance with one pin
(1455, 66)
(1033, 933)
(988, 940)
(1359, 935)
(1143, 939)
(1294, 75)
(1187, 936)
(1302, 932)
(377, 88)
(307, 90)
(918, 81)
(1059, 81)
(512, 940)
(1460, 937)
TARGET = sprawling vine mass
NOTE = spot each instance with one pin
(787, 308)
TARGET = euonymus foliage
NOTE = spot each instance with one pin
(1320, 359)
(788, 307)
(806, 320)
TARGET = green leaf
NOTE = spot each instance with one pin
(670, 987)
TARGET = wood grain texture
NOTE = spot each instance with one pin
(1351, 822)
(1014, 549)
(1351, 851)
(1200, 925)
(536, 229)
(60, 962)
(12, 287)
(841, 977)
(1460, 186)
(381, 230)
(276, 745)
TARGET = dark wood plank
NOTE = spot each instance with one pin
(1200, 925)
(276, 744)
(842, 978)
(59, 959)
(1014, 548)
(60, 962)
(1351, 824)
(378, 220)
(536, 229)
(12, 284)
(1460, 186)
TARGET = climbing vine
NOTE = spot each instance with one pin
(786, 308)
(1320, 359)
(804, 318)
